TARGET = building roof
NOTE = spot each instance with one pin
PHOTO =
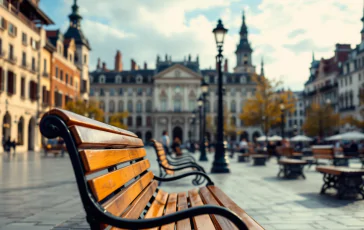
(35, 12)
(127, 76)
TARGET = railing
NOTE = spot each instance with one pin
(45, 74)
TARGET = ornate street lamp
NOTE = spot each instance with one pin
(204, 89)
(220, 164)
(283, 108)
(200, 104)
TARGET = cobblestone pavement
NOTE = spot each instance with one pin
(38, 192)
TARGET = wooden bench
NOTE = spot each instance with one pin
(259, 159)
(328, 152)
(288, 152)
(117, 189)
(291, 168)
(169, 167)
(347, 181)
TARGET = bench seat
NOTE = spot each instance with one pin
(259, 159)
(291, 168)
(118, 191)
(347, 181)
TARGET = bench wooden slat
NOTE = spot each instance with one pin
(157, 207)
(123, 199)
(202, 221)
(139, 204)
(100, 159)
(170, 208)
(336, 170)
(227, 202)
(182, 205)
(220, 222)
(71, 118)
(292, 161)
(104, 185)
(91, 138)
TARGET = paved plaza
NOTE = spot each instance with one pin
(38, 192)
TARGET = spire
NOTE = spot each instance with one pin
(75, 17)
(243, 45)
(313, 56)
(362, 30)
(244, 28)
(262, 68)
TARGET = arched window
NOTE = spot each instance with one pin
(148, 106)
(102, 105)
(233, 107)
(138, 121)
(102, 79)
(130, 106)
(139, 107)
(207, 106)
(130, 121)
(102, 92)
(112, 92)
(118, 79)
(121, 106)
(178, 105)
(21, 131)
(111, 106)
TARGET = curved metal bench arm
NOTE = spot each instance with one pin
(190, 157)
(187, 159)
(209, 181)
(188, 164)
(184, 167)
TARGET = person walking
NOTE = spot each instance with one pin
(166, 142)
(13, 145)
(243, 146)
(8, 145)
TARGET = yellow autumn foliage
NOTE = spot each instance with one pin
(86, 109)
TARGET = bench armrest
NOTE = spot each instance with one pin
(187, 157)
(194, 173)
(184, 165)
(173, 217)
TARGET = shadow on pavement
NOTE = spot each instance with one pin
(328, 200)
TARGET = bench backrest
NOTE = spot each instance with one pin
(285, 151)
(161, 155)
(323, 152)
(109, 164)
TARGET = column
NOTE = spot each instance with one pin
(169, 98)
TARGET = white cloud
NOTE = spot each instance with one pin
(289, 31)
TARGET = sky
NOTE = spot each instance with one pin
(283, 32)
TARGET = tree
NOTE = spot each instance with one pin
(353, 121)
(89, 109)
(117, 120)
(320, 120)
(264, 107)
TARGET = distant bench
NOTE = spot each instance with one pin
(291, 168)
(288, 152)
(328, 152)
(118, 190)
(347, 181)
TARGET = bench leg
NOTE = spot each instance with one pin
(350, 185)
(330, 181)
(281, 168)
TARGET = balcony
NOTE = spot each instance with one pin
(45, 74)
(309, 94)
(328, 87)
(347, 109)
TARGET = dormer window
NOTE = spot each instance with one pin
(118, 79)
(102, 79)
(242, 80)
(139, 79)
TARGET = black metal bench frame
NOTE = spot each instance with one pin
(291, 170)
(345, 184)
(259, 160)
(52, 126)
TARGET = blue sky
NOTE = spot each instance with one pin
(284, 34)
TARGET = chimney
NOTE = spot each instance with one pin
(145, 65)
(98, 63)
(133, 65)
(226, 66)
(118, 62)
(104, 66)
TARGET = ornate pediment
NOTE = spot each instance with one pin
(178, 72)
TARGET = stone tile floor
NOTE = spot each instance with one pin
(38, 192)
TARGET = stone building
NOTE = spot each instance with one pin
(164, 98)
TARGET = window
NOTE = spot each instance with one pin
(112, 92)
(191, 104)
(2, 78)
(139, 107)
(243, 92)
(148, 106)
(56, 72)
(33, 90)
(102, 92)
(111, 106)
(138, 121)
(45, 65)
(121, 106)
(130, 92)
(2, 23)
(33, 43)
(61, 75)
(33, 63)
(177, 89)
(11, 52)
(149, 121)
(130, 121)
(1, 47)
(12, 29)
(71, 57)
(118, 79)
(139, 91)
(177, 105)
(102, 105)
(130, 106)
(24, 59)
(22, 87)
(66, 78)
(350, 80)
(232, 92)
(121, 92)
(85, 59)
(102, 79)
(149, 91)
(71, 80)
(164, 105)
(233, 107)
(233, 121)
(11, 83)
(92, 92)
(24, 38)
(44, 95)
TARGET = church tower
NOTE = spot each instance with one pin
(83, 49)
(244, 52)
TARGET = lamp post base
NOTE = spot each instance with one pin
(203, 158)
(221, 164)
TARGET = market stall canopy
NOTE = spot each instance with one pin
(302, 138)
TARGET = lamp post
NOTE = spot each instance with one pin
(194, 131)
(220, 164)
(282, 107)
(201, 106)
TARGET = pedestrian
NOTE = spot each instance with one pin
(3, 143)
(176, 146)
(8, 145)
(165, 142)
(243, 146)
(13, 145)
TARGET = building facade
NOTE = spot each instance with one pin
(164, 98)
